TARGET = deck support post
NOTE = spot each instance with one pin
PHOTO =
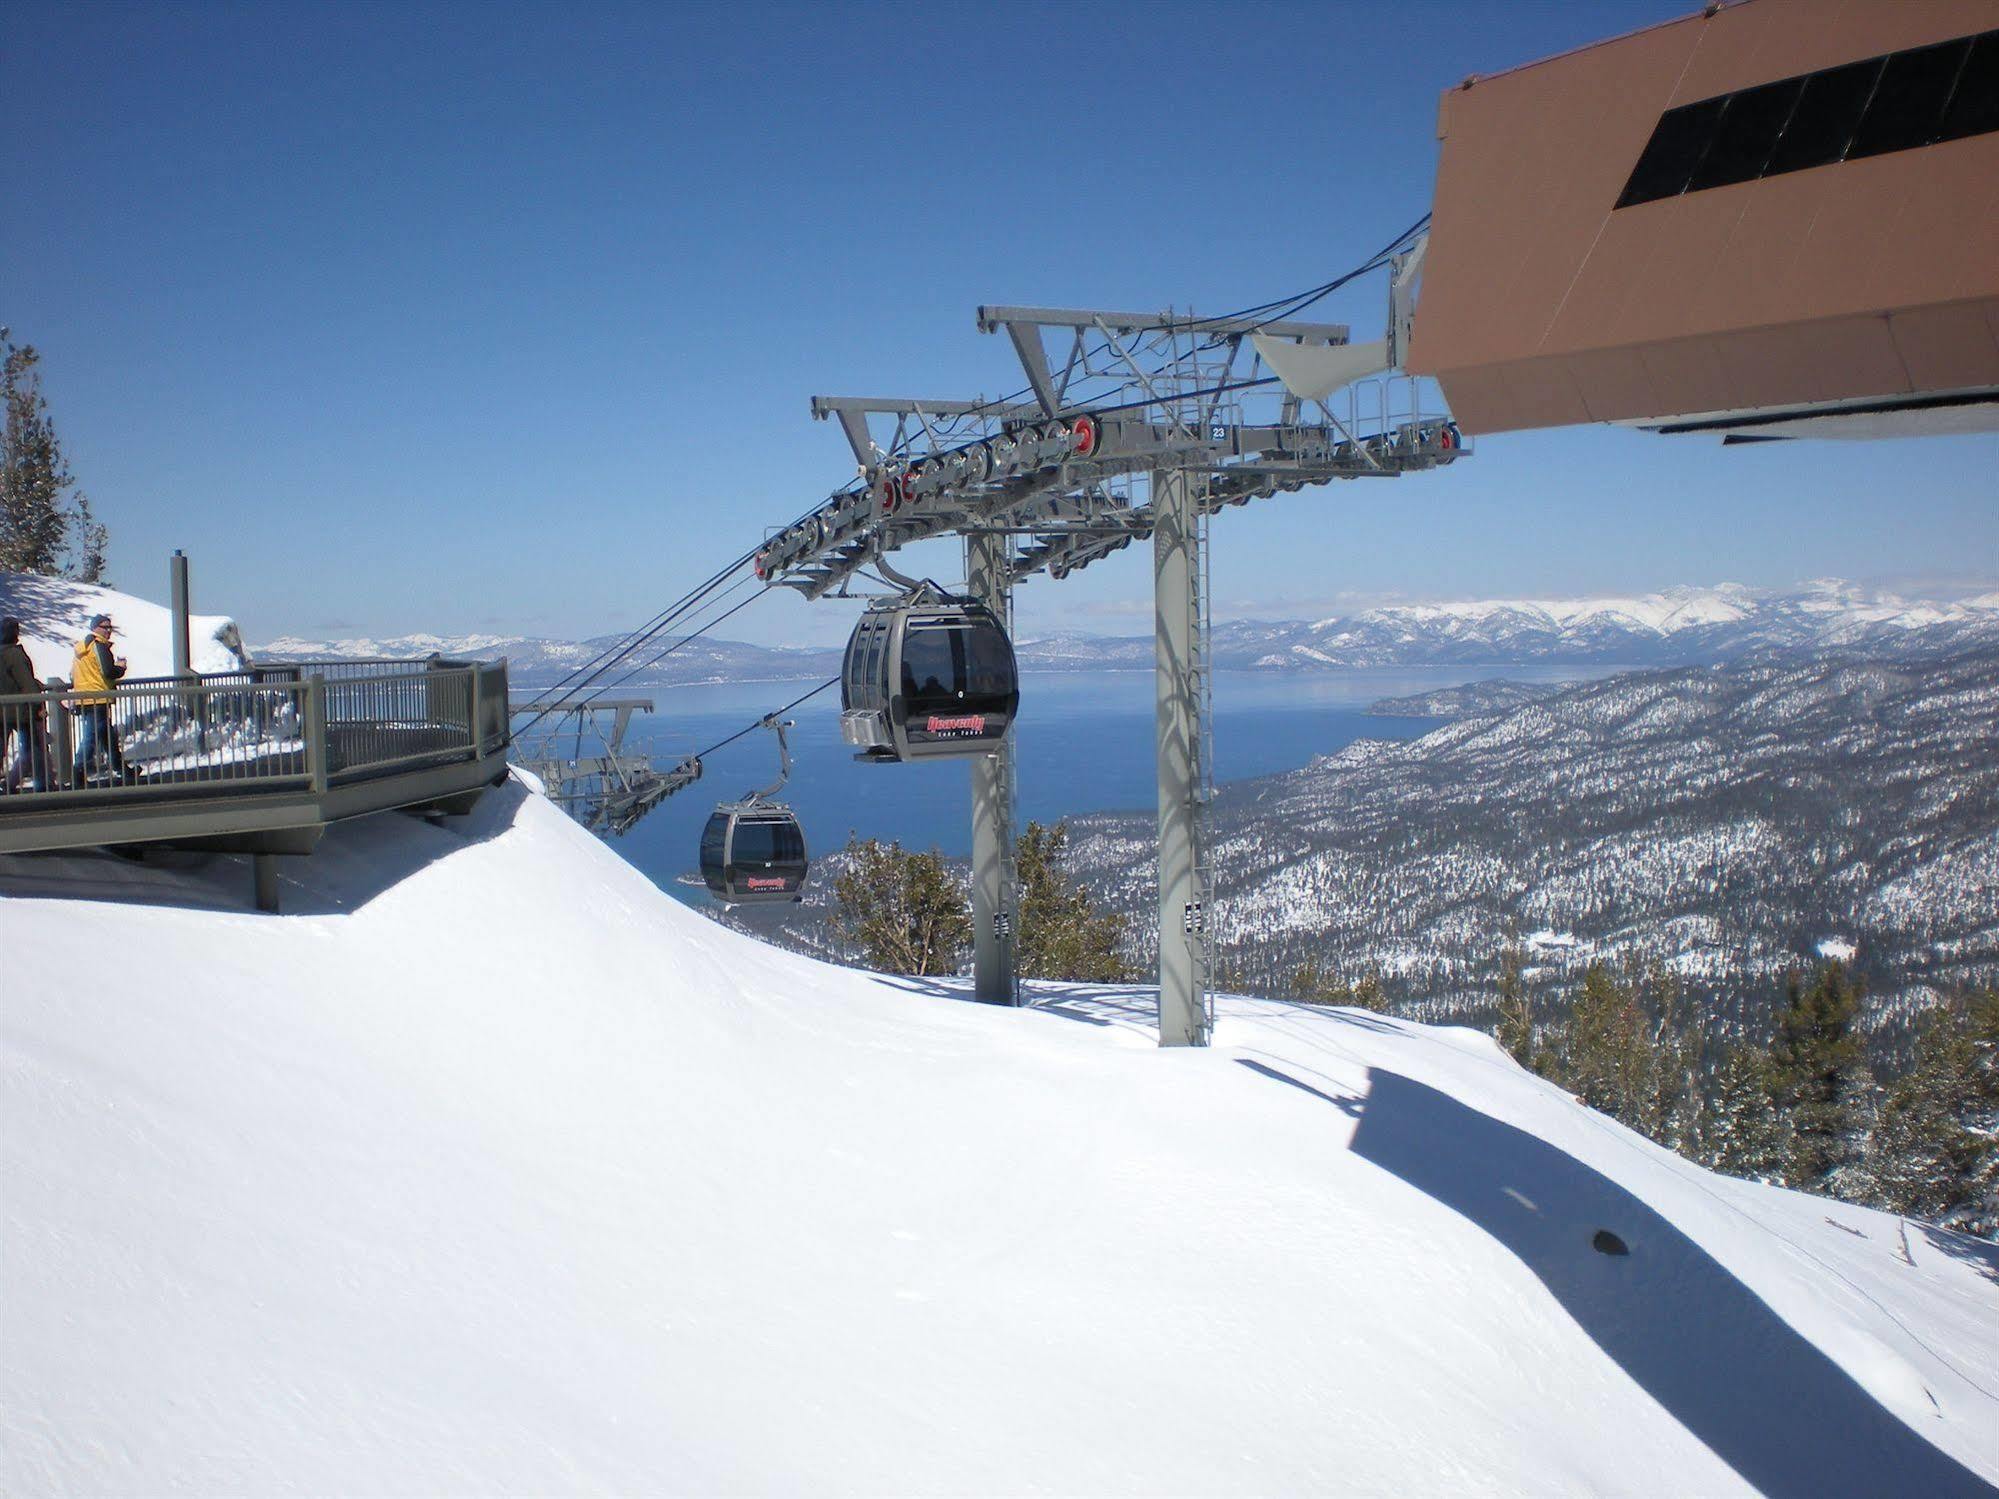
(477, 713)
(315, 733)
(62, 737)
(265, 871)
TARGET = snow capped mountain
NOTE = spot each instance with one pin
(1681, 626)
(288, 647)
(1678, 626)
(491, 1169)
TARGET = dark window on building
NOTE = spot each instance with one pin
(1974, 103)
(1892, 103)
(1828, 114)
(1907, 108)
(1747, 134)
(1678, 142)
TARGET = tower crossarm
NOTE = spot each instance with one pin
(1116, 397)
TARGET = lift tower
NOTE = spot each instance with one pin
(1133, 426)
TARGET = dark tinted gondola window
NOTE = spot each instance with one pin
(712, 838)
(1747, 134)
(871, 654)
(933, 660)
(761, 843)
(1896, 102)
(989, 670)
(1907, 108)
(964, 665)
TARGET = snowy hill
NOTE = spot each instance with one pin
(55, 614)
(492, 1169)
(1468, 700)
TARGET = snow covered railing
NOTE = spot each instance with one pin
(299, 726)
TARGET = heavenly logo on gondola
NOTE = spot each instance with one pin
(753, 883)
(974, 723)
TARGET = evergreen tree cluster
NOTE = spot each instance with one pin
(1061, 934)
(1803, 1109)
(902, 910)
(906, 912)
(46, 523)
(1315, 984)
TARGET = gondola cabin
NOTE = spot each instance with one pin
(753, 852)
(925, 681)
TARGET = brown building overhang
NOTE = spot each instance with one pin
(1866, 280)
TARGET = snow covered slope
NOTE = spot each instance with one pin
(491, 1169)
(55, 614)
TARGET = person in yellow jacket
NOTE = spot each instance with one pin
(97, 671)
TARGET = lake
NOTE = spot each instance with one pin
(1084, 743)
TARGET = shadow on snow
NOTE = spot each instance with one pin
(1755, 1392)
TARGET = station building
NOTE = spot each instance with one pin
(1772, 218)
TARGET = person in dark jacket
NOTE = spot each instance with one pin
(97, 674)
(26, 724)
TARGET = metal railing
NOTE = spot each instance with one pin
(298, 726)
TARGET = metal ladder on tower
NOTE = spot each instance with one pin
(1009, 796)
(1202, 668)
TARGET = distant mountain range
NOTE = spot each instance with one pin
(1679, 627)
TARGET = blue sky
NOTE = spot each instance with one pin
(505, 318)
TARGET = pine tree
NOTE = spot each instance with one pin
(1061, 935)
(1515, 1030)
(1980, 1214)
(1679, 1059)
(43, 527)
(903, 910)
(1935, 1153)
(1600, 1057)
(1624, 1051)
(1819, 1080)
(1742, 1133)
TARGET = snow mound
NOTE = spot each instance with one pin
(493, 1169)
(55, 614)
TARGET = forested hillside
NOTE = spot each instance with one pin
(1731, 823)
